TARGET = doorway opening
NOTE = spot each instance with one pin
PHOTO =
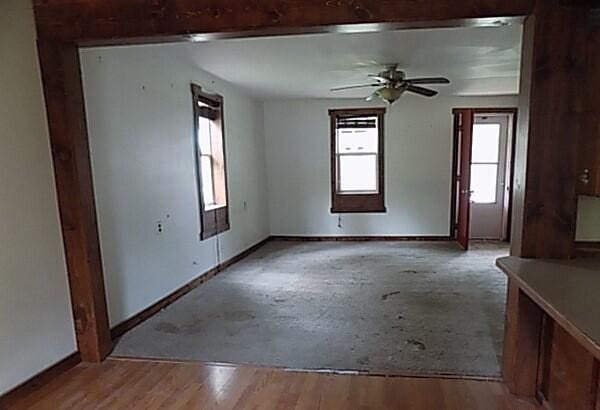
(483, 173)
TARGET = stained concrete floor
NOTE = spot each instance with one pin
(381, 307)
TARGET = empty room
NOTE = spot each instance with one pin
(300, 206)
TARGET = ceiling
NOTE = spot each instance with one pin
(478, 61)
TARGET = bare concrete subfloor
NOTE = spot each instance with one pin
(381, 307)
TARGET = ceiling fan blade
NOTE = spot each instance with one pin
(428, 80)
(382, 80)
(421, 90)
(349, 87)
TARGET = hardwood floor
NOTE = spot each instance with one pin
(139, 384)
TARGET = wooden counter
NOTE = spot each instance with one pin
(552, 332)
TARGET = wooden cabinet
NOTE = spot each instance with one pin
(567, 373)
(552, 332)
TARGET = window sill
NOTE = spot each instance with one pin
(357, 193)
(358, 211)
(213, 207)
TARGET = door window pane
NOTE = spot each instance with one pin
(358, 173)
(484, 179)
(486, 142)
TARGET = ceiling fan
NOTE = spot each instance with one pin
(393, 83)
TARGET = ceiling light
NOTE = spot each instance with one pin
(390, 94)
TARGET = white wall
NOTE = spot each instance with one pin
(418, 162)
(36, 325)
(141, 134)
(588, 219)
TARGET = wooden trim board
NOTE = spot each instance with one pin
(588, 244)
(589, 249)
(24, 389)
(112, 22)
(439, 375)
(118, 330)
(361, 238)
(67, 125)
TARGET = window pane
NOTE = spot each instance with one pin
(358, 173)
(486, 142)
(204, 135)
(357, 140)
(207, 180)
(483, 183)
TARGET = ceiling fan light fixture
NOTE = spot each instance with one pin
(390, 94)
(393, 83)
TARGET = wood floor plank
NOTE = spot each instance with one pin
(310, 396)
(137, 384)
(207, 395)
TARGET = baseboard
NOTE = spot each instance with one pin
(587, 249)
(587, 244)
(24, 389)
(118, 330)
(357, 238)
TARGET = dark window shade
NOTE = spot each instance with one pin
(207, 112)
(356, 123)
(207, 99)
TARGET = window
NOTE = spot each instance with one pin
(357, 160)
(211, 166)
(485, 157)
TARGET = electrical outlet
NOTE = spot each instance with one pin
(158, 227)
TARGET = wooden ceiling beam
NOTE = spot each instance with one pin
(115, 21)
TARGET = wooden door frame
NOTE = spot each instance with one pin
(510, 157)
(65, 25)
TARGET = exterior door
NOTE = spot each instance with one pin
(488, 175)
(463, 120)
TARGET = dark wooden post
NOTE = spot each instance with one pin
(63, 93)
(552, 110)
(522, 333)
